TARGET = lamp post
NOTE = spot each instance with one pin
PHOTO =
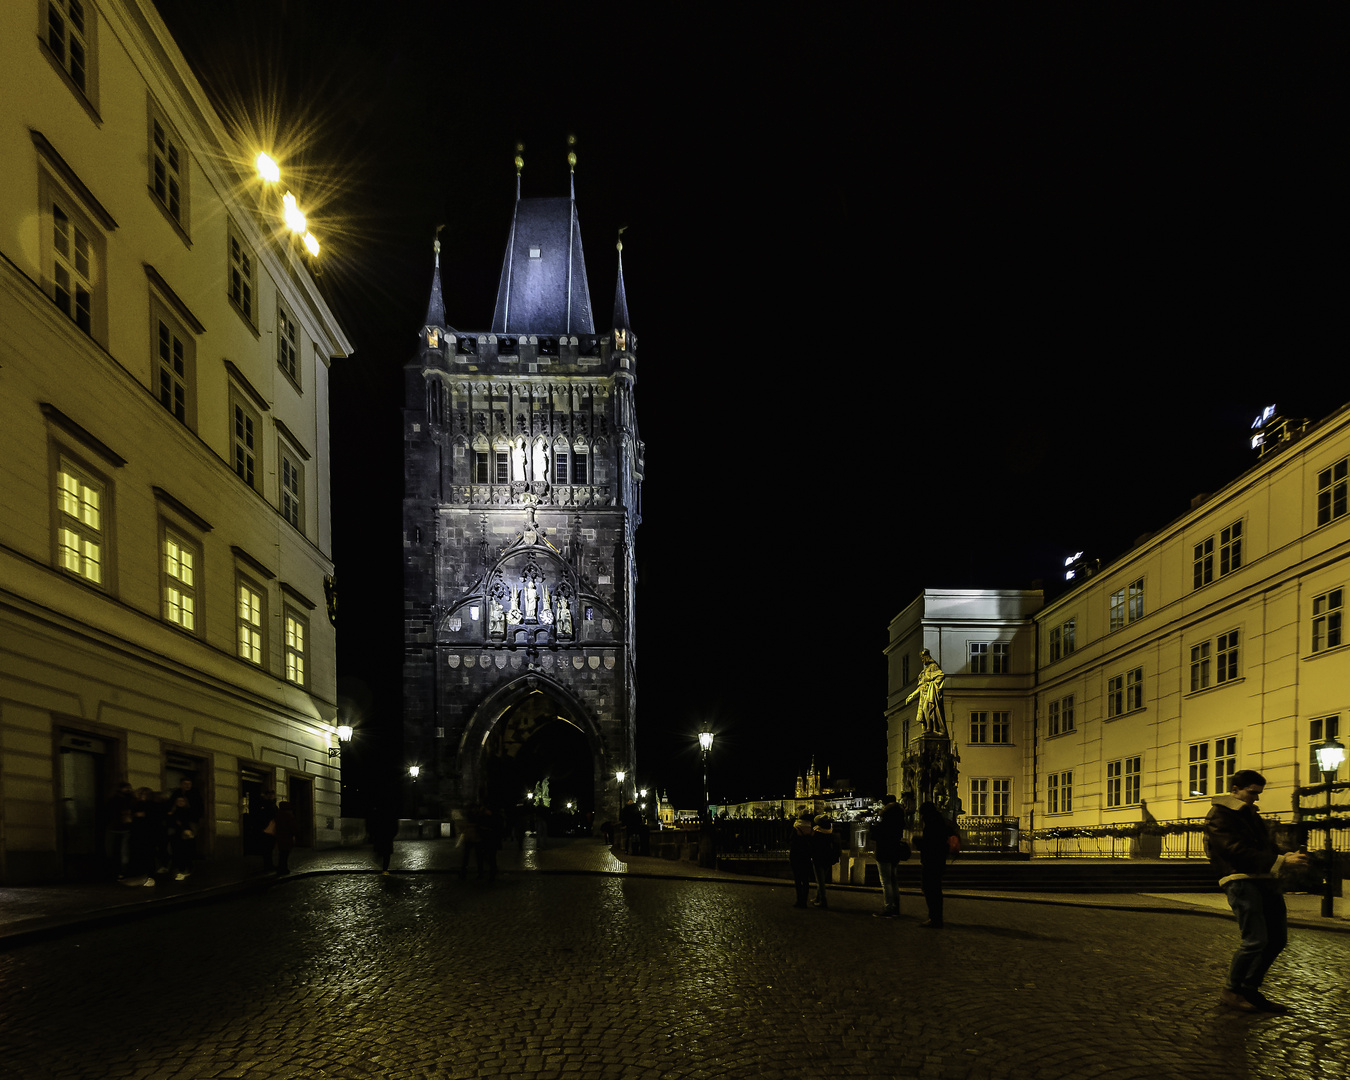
(1330, 754)
(705, 741)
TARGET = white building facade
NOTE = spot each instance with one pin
(1215, 645)
(165, 537)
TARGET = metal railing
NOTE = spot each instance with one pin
(988, 833)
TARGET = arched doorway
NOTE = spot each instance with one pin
(533, 738)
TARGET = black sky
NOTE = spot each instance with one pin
(922, 300)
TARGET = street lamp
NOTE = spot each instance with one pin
(705, 741)
(1330, 754)
(344, 734)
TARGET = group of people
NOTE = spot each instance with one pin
(150, 833)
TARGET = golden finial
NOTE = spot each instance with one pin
(571, 152)
(619, 245)
(520, 160)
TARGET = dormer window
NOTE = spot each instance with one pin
(535, 253)
(433, 338)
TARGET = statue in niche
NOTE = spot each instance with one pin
(514, 613)
(546, 612)
(518, 460)
(531, 600)
(564, 618)
(540, 461)
(496, 617)
(932, 714)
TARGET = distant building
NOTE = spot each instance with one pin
(1216, 644)
(165, 541)
(814, 792)
(523, 468)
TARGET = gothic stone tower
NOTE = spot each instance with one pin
(522, 474)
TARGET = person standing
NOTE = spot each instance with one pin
(935, 847)
(824, 854)
(147, 826)
(285, 836)
(182, 830)
(382, 827)
(1244, 855)
(889, 849)
(799, 856)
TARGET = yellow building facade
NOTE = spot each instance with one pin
(1216, 644)
(165, 536)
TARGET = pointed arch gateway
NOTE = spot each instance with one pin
(533, 728)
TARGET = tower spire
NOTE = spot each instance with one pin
(624, 338)
(436, 304)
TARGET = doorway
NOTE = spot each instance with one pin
(84, 768)
(300, 792)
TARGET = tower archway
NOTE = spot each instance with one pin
(533, 735)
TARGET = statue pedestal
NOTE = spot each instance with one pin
(930, 774)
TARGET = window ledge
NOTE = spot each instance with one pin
(1121, 716)
(168, 216)
(1327, 651)
(1216, 686)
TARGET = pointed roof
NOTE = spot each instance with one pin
(543, 287)
(436, 305)
(621, 297)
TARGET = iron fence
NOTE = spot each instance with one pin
(988, 833)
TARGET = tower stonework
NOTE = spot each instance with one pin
(522, 474)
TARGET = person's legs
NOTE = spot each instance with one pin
(890, 891)
(822, 872)
(932, 892)
(1249, 963)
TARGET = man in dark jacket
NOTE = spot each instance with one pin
(1240, 848)
(889, 849)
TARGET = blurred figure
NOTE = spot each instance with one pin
(382, 827)
(146, 827)
(935, 847)
(799, 855)
(824, 854)
(285, 836)
(182, 831)
(117, 838)
(889, 849)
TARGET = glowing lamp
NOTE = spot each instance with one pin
(344, 733)
(267, 169)
(311, 244)
(705, 739)
(294, 218)
(1330, 755)
(414, 770)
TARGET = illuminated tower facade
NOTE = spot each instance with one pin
(523, 470)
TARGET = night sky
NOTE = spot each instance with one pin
(922, 300)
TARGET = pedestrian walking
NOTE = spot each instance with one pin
(824, 855)
(890, 850)
(382, 827)
(285, 836)
(1243, 853)
(935, 848)
(799, 855)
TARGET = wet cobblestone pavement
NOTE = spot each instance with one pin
(586, 977)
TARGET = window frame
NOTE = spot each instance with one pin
(67, 463)
(1124, 782)
(290, 460)
(55, 195)
(241, 280)
(289, 345)
(163, 172)
(1059, 716)
(247, 624)
(1319, 730)
(87, 88)
(1059, 790)
(170, 532)
(295, 655)
(162, 321)
(1332, 486)
(241, 407)
(1329, 619)
(979, 657)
